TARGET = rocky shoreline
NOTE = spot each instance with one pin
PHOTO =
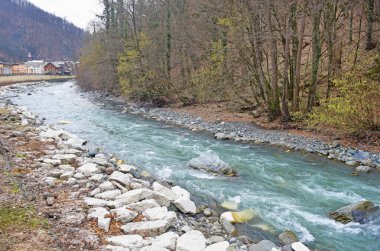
(115, 206)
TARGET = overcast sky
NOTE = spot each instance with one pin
(79, 12)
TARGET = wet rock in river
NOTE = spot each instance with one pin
(212, 163)
(361, 212)
(288, 237)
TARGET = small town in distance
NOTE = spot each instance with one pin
(37, 67)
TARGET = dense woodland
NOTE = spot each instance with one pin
(300, 60)
(25, 28)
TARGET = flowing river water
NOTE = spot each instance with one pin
(287, 190)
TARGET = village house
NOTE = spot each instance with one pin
(5, 69)
(35, 66)
(19, 69)
(57, 68)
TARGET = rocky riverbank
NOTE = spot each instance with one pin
(362, 161)
(94, 201)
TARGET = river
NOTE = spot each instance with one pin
(287, 190)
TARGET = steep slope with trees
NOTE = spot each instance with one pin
(25, 28)
(286, 59)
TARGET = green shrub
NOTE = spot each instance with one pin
(354, 108)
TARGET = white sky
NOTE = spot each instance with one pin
(78, 12)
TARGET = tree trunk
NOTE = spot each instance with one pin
(168, 40)
(298, 62)
(274, 109)
(285, 108)
(316, 56)
(370, 20)
(330, 22)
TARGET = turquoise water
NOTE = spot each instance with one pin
(287, 190)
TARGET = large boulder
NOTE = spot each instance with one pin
(212, 163)
(130, 241)
(361, 212)
(191, 241)
(146, 228)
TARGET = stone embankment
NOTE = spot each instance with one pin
(119, 206)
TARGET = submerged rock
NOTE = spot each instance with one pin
(238, 217)
(361, 212)
(212, 163)
(288, 237)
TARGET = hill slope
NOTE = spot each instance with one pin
(25, 28)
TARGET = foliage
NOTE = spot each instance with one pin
(137, 78)
(354, 108)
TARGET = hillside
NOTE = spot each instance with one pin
(25, 28)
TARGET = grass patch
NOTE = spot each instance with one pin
(20, 218)
(21, 155)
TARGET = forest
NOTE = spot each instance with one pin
(25, 28)
(296, 60)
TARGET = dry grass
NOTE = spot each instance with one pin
(4, 80)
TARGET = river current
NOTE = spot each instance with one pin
(286, 190)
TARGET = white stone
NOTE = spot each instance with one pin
(160, 198)
(135, 195)
(298, 246)
(66, 175)
(130, 241)
(152, 248)
(143, 205)
(220, 246)
(54, 162)
(65, 157)
(160, 213)
(191, 241)
(76, 143)
(97, 212)
(227, 216)
(115, 248)
(71, 181)
(146, 228)
(50, 133)
(363, 169)
(88, 169)
(66, 168)
(104, 223)
(185, 205)
(79, 176)
(181, 192)
(126, 168)
(124, 215)
(95, 202)
(95, 191)
(108, 195)
(120, 177)
(98, 177)
(50, 181)
(105, 186)
(100, 156)
(167, 240)
(100, 161)
(172, 196)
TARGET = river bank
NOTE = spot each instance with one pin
(8, 80)
(93, 201)
(362, 161)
